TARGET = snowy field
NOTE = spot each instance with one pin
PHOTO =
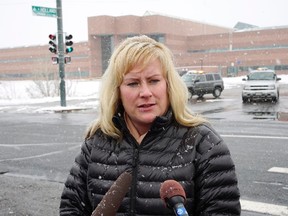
(28, 92)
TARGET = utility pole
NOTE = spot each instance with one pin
(60, 36)
(58, 47)
(201, 61)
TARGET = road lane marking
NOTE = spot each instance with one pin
(279, 170)
(265, 208)
(35, 144)
(41, 155)
(34, 177)
(268, 183)
(255, 137)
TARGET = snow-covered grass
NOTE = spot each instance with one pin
(19, 92)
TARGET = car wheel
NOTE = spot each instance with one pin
(217, 92)
(245, 100)
(276, 99)
(200, 95)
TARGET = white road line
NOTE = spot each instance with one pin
(40, 155)
(255, 137)
(36, 144)
(279, 170)
(265, 208)
(268, 183)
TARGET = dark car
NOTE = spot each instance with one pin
(203, 83)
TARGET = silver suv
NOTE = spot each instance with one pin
(203, 83)
(262, 85)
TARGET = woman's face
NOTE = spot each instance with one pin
(144, 94)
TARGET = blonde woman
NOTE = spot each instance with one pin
(145, 128)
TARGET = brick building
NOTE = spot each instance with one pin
(195, 45)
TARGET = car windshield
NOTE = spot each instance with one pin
(261, 76)
(189, 77)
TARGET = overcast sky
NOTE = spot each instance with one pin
(19, 27)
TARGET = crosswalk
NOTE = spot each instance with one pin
(266, 208)
(283, 170)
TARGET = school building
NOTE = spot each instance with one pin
(195, 45)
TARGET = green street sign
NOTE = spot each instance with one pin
(44, 11)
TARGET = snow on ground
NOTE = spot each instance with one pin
(27, 92)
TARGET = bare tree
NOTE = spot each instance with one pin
(45, 79)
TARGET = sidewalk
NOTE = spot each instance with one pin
(72, 105)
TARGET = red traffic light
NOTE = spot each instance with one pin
(53, 43)
(52, 37)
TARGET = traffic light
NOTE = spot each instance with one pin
(53, 43)
(68, 43)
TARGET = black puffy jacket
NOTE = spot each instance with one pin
(195, 157)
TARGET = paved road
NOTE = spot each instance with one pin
(37, 150)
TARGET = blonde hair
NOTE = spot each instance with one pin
(133, 51)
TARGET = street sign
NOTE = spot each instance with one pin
(44, 11)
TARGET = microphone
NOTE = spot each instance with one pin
(173, 195)
(114, 196)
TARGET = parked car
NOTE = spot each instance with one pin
(200, 83)
(262, 85)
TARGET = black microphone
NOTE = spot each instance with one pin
(173, 195)
(112, 199)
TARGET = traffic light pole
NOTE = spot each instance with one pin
(60, 36)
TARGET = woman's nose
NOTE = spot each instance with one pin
(145, 91)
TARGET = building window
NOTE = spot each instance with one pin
(158, 37)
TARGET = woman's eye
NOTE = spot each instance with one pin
(132, 84)
(154, 81)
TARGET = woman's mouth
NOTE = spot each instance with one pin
(146, 107)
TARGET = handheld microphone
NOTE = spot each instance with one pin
(173, 195)
(114, 196)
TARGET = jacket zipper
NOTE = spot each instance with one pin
(134, 181)
(134, 174)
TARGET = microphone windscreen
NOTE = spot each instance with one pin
(171, 188)
(114, 196)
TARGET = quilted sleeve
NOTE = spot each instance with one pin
(216, 184)
(74, 198)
